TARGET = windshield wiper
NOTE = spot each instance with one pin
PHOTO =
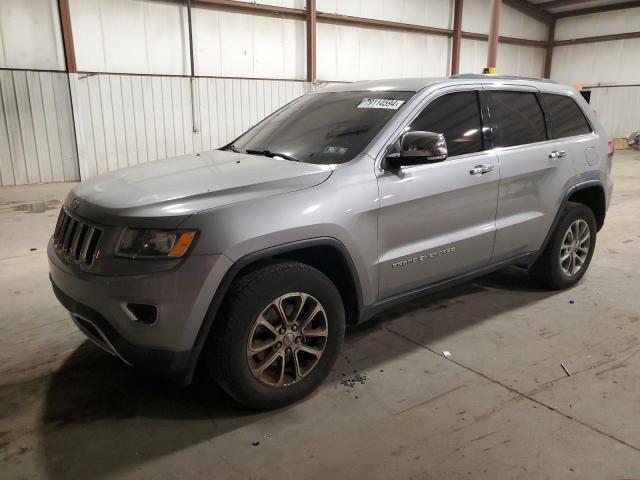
(231, 147)
(270, 154)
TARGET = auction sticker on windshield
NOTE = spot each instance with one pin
(380, 103)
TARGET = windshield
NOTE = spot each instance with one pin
(323, 128)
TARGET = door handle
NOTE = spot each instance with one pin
(557, 154)
(481, 169)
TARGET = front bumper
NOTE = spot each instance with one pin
(182, 296)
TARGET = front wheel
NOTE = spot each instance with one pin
(568, 254)
(277, 336)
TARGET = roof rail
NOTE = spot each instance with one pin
(479, 76)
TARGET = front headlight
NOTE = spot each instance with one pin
(154, 243)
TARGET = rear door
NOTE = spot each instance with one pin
(535, 170)
(570, 126)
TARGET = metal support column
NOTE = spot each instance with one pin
(549, 55)
(494, 29)
(311, 41)
(192, 79)
(457, 37)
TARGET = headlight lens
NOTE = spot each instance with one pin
(155, 243)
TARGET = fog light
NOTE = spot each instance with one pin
(140, 312)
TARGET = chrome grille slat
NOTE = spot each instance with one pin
(67, 236)
(85, 247)
(76, 240)
(63, 229)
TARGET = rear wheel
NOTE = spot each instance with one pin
(568, 254)
(277, 336)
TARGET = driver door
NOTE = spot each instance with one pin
(438, 220)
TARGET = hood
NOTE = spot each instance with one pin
(185, 185)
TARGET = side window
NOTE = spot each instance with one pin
(567, 117)
(457, 117)
(517, 118)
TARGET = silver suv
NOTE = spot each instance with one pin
(247, 262)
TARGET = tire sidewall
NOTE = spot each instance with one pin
(571, 214)
(246, 387)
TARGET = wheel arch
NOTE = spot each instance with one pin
(590, 191)
(592, 195)
(326, 254)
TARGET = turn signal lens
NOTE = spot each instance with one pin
(183, 244)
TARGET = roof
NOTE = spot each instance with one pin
(478, 76)
(387, 85)
(417, 84)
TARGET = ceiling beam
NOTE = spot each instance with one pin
(561, 3)
(601, 38)
(530, 9)
(510, 40)
(600, 9)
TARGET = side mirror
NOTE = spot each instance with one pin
(417, 148)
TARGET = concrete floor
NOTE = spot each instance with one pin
(500, 406)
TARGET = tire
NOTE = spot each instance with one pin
(236, 368)
(548, 269)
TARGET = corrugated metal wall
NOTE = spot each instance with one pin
(603, 64)
(618, 109)
(141, 110)
(512, 59)
(37, 142)
(123, 120)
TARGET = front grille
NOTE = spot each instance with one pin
(75, 240)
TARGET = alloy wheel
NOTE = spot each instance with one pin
(575, 247)
(287, 339)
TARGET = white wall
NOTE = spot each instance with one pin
(123, 120)
(512, 59)
(233, 44)
(603, 63)
(350, 53)
(131, 36)
(618, 109)
(347, 53)
(513, 23)
(30, 35)
(598, 24)
(608, 63)
(432, 13)
(37, 142)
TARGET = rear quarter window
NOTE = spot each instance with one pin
(567, 118)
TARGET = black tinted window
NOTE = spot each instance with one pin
(324, 128)
(516, 117)
(457, 117)
(566, 116)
